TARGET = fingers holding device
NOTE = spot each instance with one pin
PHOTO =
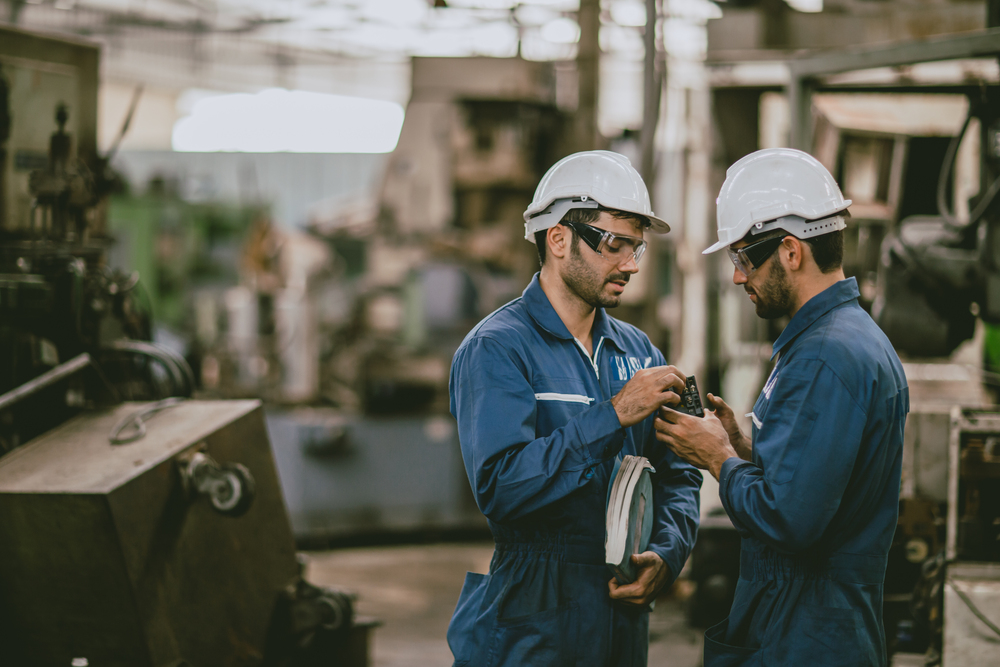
(647, 391)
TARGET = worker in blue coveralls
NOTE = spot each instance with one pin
(548, 391)
(814, 491)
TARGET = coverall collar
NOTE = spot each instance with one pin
(542, 312)
(840, 292)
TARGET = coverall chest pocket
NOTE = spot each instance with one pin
(617, 385)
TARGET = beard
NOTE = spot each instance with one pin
(587, 283)
(774, 295)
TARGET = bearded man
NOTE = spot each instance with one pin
(814, 490)
(548, 391)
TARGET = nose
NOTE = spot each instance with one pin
(738, 277)
(629, 266)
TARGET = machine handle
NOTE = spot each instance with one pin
(229, 487)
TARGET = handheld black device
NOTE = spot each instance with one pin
(690, 399)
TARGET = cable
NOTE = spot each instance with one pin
(972, 607)
(136, 421)
(942, 186)
(181, 375)
(949, 161)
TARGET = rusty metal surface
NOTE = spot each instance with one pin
(103, 556)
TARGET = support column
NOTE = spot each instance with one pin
(588, 65)
(652, 85)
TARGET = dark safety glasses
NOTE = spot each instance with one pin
(613, 247)
(750, 258)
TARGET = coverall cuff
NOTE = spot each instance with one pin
(603, 434)
(730, 470)
(671, 550)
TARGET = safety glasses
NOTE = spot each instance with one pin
(613, 247)
(750, 258)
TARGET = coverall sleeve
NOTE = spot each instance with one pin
(511, 471)
(676, 492)
(806, 446)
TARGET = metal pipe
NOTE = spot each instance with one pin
(46, 379)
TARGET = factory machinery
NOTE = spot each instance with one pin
(138, 526)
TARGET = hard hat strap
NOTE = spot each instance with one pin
(801, 228)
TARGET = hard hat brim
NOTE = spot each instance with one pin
(714, 248)
(656, 225)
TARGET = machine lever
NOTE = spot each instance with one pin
(229, 487)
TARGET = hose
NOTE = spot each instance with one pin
(181, 375)
(942, 186)
(972, 607)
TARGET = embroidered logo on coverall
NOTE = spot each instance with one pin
(627, 366)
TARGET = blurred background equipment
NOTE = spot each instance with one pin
(104, 525)
(348, 331)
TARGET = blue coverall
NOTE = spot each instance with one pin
(539, 437)
(817, 506)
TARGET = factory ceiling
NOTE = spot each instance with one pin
(537, 29)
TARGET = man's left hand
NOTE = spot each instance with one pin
(702, 442)
(652, 574)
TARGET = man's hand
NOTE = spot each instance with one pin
(701, 441)
(652, 573)
(646, 392)
(740, 442)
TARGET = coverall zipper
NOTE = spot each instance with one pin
(597, 351)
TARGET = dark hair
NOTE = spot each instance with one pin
(587, 216)
(828, 250)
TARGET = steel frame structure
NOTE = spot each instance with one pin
(806, 74)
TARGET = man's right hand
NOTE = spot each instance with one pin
(740, 442)
(646, 392)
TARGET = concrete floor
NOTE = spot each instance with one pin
(412, 590)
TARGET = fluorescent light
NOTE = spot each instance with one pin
(534, 15)
(810, 6)
(561, 31)
(630, 13)
(293, 121)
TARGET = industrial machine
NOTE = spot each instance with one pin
(140, 527)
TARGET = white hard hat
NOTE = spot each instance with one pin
(778, 188)
(586, 180)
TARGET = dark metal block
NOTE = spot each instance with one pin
(103, 555)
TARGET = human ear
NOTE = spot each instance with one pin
(791, 249)
(558, 241)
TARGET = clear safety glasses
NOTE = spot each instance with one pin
(613, 247)
(750, 258)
